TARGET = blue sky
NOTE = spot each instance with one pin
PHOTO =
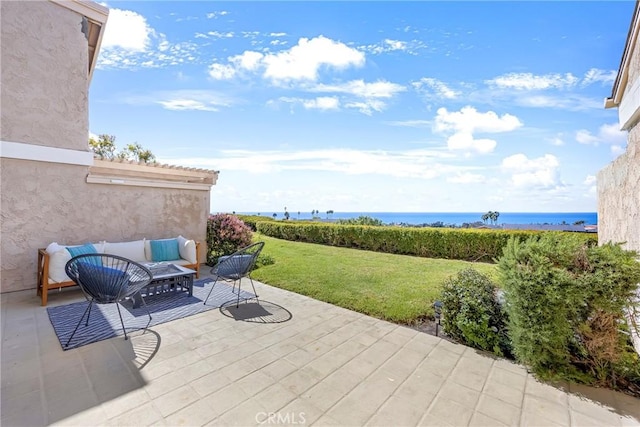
(370, 106)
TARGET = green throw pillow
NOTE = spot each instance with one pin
(164, 250)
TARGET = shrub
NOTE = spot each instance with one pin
(225, 234)
(565, 301)
(472, 313)
(464, 244)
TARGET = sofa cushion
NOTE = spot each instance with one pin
(164, 250)
(133, 250)
(187, 250)
(58, 258)
(87, 248)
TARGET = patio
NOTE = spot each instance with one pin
(324, 366)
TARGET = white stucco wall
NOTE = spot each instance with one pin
(44, 57)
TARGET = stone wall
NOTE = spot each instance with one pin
(619, 197)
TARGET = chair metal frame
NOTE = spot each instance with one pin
(234, 267)
(107, 279)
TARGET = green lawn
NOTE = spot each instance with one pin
(398, 288)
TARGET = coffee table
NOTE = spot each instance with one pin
(166, 278)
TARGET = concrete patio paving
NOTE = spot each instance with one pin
(324, 366)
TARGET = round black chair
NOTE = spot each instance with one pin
(107, 279)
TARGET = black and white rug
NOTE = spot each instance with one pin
(105, 323)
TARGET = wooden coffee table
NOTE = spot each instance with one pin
(166, 278)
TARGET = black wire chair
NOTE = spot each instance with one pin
(107, 279)
(232, 268)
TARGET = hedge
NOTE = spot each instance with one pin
(449, 243)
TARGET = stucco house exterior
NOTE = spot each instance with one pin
(619, 182)
(51, 187)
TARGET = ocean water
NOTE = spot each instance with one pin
(451, 218)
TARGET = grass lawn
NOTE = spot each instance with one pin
(397, 288)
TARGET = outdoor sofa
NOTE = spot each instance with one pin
(52, 260)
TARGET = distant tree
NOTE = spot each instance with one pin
(485, 217)
(286, 213)
(580, 222)
(298, 214)
(361, 220)
(329, 212)
(275, 215)
(105, 147)
(494, 217)
(137, 153)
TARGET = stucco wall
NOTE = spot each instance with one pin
(46, 202)
(44, 80)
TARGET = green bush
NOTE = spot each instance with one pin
(251, 220)
(565, 301)
(472, 313)
(225, 234)
(463, 244)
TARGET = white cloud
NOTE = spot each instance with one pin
(303, 61)
(607, 134)
(539, 172)
(590, 180)
(249, 60)
(182, 100)
(469, 120)
(277, 34)
(422, 164)
(433, 88)
(367, 106)
(464, 141)
(395, 44)
(466, 122)
(467, 178)
(566, 101)
(616, 150)
(557, 141)
(220, 35)
(322, 103)
(529, 81)
(595, 75)
(216, 15)
(411, 123)
(127, 30)
(379, 89)
(186, 104)
(221, 71)
(585, 137)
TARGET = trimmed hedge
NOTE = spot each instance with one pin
(448, 243)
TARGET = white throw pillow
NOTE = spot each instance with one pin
(187, 249)
(58, 258)
(131, 250)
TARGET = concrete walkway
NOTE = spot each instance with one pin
(324, 366)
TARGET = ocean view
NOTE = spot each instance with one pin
(453, 218)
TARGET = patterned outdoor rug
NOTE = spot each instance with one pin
(105, 323)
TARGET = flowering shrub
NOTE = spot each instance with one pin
(225, 234)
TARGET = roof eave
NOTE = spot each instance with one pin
(96, 16)
(620, 83)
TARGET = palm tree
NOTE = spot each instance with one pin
(275, 215)
(485, 217)
(494, 216)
